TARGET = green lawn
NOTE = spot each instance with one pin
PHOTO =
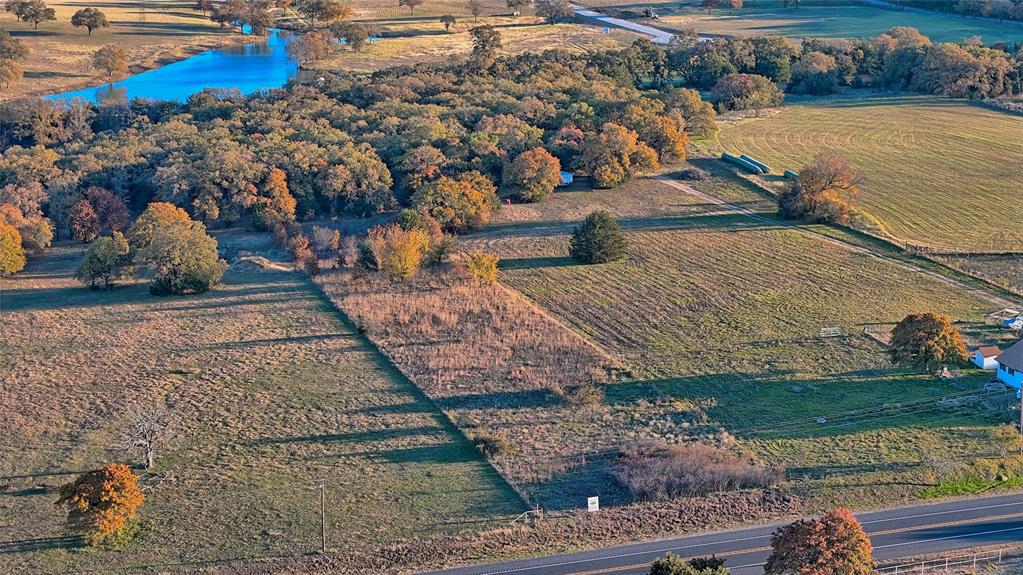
(849, 20)
(934, 172)
(269, 391)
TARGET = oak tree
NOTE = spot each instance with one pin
(928, 341)
(89, 18)
(834, 544)
(100, 502)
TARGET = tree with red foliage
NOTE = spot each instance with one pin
(83, 221)
(113, 215)
(834, 544)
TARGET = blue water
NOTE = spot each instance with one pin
(248, 68)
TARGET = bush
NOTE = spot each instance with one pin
(583, 396)
(492, 445)
(106, 260)
(100, 502)
(693, 175)
(482, 268)
(653, 471)
(598, 239)
(672, 565)
(395, 252)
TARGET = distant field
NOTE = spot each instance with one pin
(935, 172)
(851, 20)
(152, 33)
(269, 391)
(1004, 270)
(722, 316)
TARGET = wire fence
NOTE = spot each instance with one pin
(969, 561)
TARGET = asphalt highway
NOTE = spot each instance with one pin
(895, 533)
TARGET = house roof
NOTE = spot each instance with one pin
(989, 350)
(1012, 357)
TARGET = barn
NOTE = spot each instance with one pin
(1010, 365)
(984, 356)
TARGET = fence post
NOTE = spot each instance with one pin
(946, 564)
(999, 555)
(974, 560)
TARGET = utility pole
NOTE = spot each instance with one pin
(323, 516)
(1021, 420)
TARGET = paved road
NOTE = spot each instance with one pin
(895, 533)
(657, 36)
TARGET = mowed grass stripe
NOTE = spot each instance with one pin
(935, 172)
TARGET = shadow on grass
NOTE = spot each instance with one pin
(355, 437)
(502, 400)
(533, 263)
(40, 544)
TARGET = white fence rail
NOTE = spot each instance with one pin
(948, 564)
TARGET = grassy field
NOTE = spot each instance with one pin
(849, 20)
(1003, 270)
(152, 34)
(269, 391)
(934, 172)
(720, 317)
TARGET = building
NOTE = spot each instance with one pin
(566, 179)
(984, 356)
(1010, 365)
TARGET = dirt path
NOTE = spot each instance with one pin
(997, 300)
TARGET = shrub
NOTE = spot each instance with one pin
(653, 471)
(397, 253)
(692, 174)
(100, 502)
(324, 239)
(106, 260)
(598, 239)
(482, 268)
(583, 396)
(672, 565)
(492, 445)
(824, 191)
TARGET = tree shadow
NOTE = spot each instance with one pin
(41, 544)
(525, 399)
(534, 263)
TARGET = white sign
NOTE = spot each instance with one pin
(593, 504)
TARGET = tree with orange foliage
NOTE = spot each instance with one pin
(83, 221)
(824, 191)
(276, 205)
(928, 341)
(533, 174)
(835, 544)
(12, 255)
(101, 501)
(459, 203)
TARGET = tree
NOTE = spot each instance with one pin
(35, 230)
(928, 341)
(734, 4)
(835, 544)
(398, 253)
(700, 117)
(276, 205)
(204, 6)
(10, 71)
(482, 268)
(553, 10)
(824, 191)
(814, 73)
(486, 41)
(83, 222)
(100, 502)
(111, 213)
(745, 92)
(325, 10)
(90, 18)
(532, 174)
(475, 7)
(448, 21)
(598, 239)
(354, 35)
(106, 260)
(11, 48)
(460, 203)
(710, 4)
(310, 47)
(411, 4)
(181, 255)
(672, 565)
(12, 254)
(34, 11)
(147, 428)
(517, 5)
(111, 60)
(615, 155)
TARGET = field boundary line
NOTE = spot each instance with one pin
(983, 294)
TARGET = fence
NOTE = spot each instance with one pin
(947, 564)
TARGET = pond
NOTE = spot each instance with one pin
(248, 68)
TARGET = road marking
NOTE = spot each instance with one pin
(606, 570)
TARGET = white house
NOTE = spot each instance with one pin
(1010, 365)
(984, 356)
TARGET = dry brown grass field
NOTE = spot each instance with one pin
(269, 390)
(153, 33)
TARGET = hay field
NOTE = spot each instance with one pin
(153, 33)
(934, 172)
(849, 20)
(720, 317)
(269, 390)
